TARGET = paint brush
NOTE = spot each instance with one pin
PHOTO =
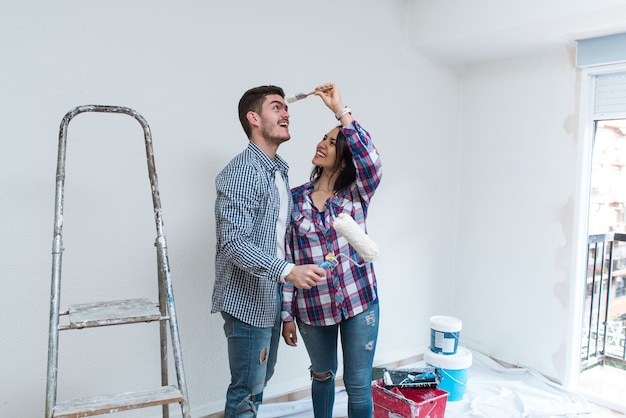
(300, 96)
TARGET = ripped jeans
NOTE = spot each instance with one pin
(252, 355)
(358, 343)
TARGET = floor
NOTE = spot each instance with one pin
(494, 391)
(605, 385)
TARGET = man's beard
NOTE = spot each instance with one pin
(268, 134)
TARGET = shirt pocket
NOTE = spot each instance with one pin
(303, 225)
(343, 204)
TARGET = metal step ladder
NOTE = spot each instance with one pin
(108, 313)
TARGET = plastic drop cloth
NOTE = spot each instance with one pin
(493, 391)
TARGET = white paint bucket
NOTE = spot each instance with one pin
(444, 334)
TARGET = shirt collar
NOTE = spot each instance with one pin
(278, 163)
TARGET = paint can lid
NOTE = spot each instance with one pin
(461, 360)
(445, 323)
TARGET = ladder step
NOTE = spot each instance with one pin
(113, 313)
(98, 405)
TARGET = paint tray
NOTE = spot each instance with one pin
(416, 378)
(407, 402)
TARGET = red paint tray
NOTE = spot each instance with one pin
(408, 403)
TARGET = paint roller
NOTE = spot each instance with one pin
(362, 243)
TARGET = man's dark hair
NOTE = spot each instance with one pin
(347, 176)
(252, 100)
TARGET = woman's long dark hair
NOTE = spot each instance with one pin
(347, 174)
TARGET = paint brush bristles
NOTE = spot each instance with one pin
(300, 96)
(297, 96)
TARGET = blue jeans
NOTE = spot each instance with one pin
(358, 343)
(252, 356)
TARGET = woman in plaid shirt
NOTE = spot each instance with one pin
(346, 174)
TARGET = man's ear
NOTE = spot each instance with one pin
(253, 118)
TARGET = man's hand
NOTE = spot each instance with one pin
(289, 333)
(306, 276)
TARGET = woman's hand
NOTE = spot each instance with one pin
(289, 333)
(330, 95)
(332, 98)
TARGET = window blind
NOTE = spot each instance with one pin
(610, 93)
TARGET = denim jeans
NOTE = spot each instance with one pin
(252, 355)
(358, 343)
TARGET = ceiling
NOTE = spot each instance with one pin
(472, 31)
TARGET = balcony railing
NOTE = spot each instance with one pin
(604, 324)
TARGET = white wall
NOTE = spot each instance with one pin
(518, 170)
(183, 66)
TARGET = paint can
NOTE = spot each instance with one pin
(454, 371)
(444, 334)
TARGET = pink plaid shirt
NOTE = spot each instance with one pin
(348, 289)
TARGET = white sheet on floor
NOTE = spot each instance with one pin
(493, 391)
(497, 391)
(303, 408)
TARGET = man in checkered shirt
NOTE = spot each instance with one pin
(252, 208)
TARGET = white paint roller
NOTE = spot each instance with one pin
(352, 232)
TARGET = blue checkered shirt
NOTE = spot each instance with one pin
(247, 269)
